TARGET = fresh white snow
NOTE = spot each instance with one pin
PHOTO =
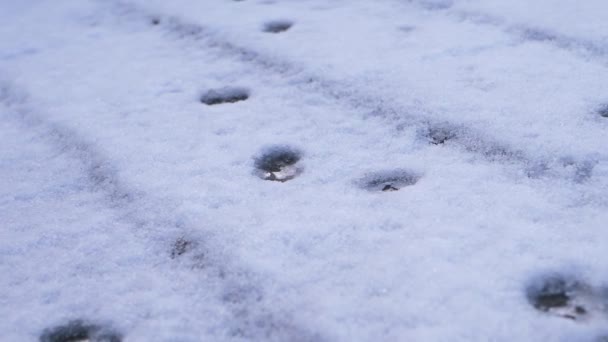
(128, 202)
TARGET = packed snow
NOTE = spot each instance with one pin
(303, 170)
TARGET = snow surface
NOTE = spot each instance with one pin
(126, 202)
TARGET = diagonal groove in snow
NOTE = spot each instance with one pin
(467, 138)
(100, 173)
(252, 316)
(570, 43)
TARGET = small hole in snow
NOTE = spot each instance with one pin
(559, 296)
(278, 163)
(391, 180)
(180, 247)
(603, 111)
(436, 5)
(224, 95)
(389, 187)
(79, 331)
(440, 135)
(277, 26)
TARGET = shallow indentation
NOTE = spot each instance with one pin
(80, 331)
(603, 111)
(439, 135)
(242, 294)
(436, 5)
(538, 35)
(560, 296)
(389, 180)
(180, 247)
(224, 95)
(406, 28)
(579, 170)
(277, 26)
(278, 163)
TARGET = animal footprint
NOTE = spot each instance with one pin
(224, 95)
(390, 180)
(277, 26)
(603, 111)
(566, 297)
(80, 331)
(278, 163)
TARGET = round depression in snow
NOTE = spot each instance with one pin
(277, 26)
(439, 134)
(388, 180)
(225, 95)
(155, 21)
(603, 111)
(181, 246)
(80, 331)
(278, 163)
(560, 296)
